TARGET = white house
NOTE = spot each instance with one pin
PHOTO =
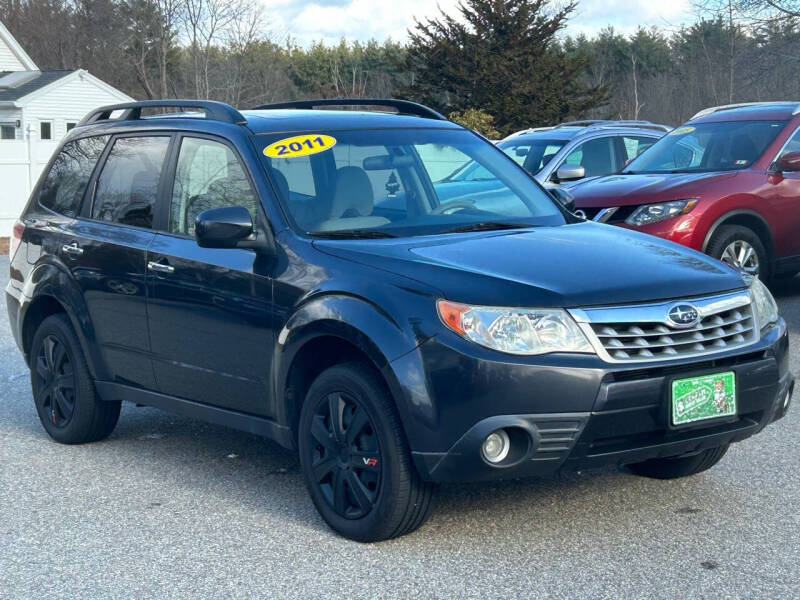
(37, 108)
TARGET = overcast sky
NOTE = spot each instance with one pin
(330, 20)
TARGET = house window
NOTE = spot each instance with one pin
(46, 130)
(8, 131)
(71, 126)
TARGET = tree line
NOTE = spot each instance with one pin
(498, 64)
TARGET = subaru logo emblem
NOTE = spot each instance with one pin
(683, 315)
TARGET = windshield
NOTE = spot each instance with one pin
(724, 146)
(395, 182)
(532, 155)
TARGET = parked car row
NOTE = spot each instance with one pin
(333, 280)
(726, 183)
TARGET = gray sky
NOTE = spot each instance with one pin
(330, 20)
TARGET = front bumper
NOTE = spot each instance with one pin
(625, 421)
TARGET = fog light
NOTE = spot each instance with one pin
(787, 399)
(496, 446)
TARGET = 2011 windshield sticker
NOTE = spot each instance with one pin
(300, 145)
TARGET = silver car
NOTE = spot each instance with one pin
(576, 150)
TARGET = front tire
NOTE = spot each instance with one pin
(740, 248)
(355, 457)
(63, 390)
(679, 466)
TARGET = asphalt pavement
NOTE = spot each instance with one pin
(172, 507)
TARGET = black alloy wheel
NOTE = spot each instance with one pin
(55, 382)
(63, 390)
(355, 458)
(346, 457)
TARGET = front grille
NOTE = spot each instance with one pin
(645, 333)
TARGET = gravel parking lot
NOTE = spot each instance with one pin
(171, 507)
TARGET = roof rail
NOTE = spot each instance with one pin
(582, 123)
(637, 124)
(132, 111)
(594, 124)
(715, 109)
(403, 107)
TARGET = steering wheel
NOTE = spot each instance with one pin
(449, 207)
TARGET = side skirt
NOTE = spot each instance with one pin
(213, 414)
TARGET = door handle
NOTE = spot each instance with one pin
(160, 267)
(72, 249)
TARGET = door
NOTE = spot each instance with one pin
(781, 196)
(209, 309)
(107, 250)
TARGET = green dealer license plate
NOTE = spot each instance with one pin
(705, 397)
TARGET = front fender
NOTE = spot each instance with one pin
(357, 321)
(740, 205)
(52, 279)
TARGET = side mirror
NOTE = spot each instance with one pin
(224, 227)
(789, 162)
(563, 197)
(570, 173)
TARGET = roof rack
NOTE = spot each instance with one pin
(132, 111)
(599, 124)
(606, 123)
(403, 107)
(715, 109)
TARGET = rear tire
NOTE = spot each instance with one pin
(355, 457)
(63, 390)
(679, 466)
(731, 243)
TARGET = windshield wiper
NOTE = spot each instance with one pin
(487, 226)
(355, 234)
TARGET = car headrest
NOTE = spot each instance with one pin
(143, 186)
(281, 184)
(352, 196)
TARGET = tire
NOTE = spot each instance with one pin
(735, 237)
(365, 487)
(63, 391)
(679, 466)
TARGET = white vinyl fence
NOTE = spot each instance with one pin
(21, 162)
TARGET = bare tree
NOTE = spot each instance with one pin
(207, 23)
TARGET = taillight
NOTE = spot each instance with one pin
(16, 238)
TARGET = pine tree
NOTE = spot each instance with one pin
(501, 57)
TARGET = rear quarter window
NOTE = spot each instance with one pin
(65, 184)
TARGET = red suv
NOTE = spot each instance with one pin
(726, 183)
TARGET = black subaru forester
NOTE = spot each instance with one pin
(314, 276)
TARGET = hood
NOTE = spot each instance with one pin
(629, 190)
(583, 264)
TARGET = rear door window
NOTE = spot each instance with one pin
(65, 184)
(128, 185)
(635, 145)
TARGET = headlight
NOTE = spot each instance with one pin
(515, 330)
(653, 213)
(763, 303)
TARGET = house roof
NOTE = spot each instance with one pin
(38, 80)
(18, 51)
